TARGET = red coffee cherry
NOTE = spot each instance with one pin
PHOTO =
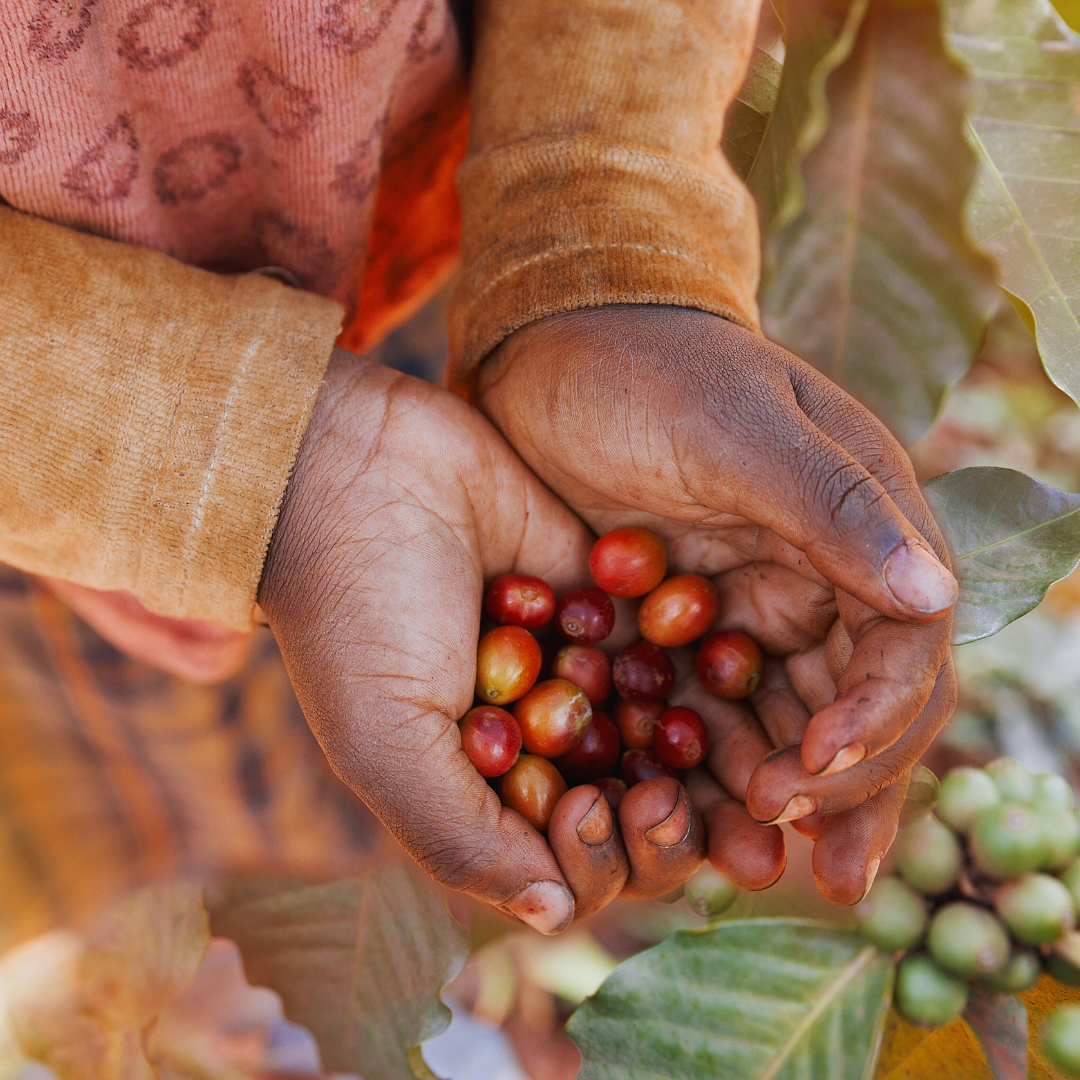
(491, 738)
(532, 788)
(628, 562)
(594, 755)
(636, 720)
(638, 765)
(678, 611)
(585, 616)
(729, 664)
(643, 672)
(553, 715)
(520, 600)
(680, 738)
(507, 664)
(613, 788)
(585, 666)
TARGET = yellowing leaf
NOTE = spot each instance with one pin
(874, 282)
(83, 1003)
(359, 962)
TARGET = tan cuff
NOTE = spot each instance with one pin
(628, 226)
(152, 413)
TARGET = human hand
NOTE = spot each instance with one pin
(403, 503)
(796, 501)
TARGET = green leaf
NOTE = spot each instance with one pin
(875, 282)
(1010, 537)
(772, 999)
(818, 37)
(748, 115)
(1000, 1024)
(359, 962)
(1025, 210)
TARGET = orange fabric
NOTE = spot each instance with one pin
(416, 235)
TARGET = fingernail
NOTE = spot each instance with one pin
(919, 581)
(673, 829)
(546, 906)
(799, 806)
(845, 757)
(596, 827)
(871, 873)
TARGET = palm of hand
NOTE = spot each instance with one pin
(765, 477)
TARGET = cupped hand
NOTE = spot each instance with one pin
(763, 475)
(403, 503)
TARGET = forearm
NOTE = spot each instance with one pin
(151, 414)
(595, 174)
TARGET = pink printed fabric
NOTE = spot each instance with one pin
(229, 134)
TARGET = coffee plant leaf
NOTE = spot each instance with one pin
(818, 36)
(1025, 127)
(876, 282)
(83, 1003)
(748, 115)
(359, 962)
(772, 999)
(1000, 1024)
(1010, 538)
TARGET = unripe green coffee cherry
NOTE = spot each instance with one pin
(967, 940)
(1020, 973)
(1060, 968)
(929, 856)
(1037, 908)
(1053, 790)
(892, 915)
(1012, 780)
(709, 893)
(1061, 829)
(1008, 841)
(965, 794)
(1061, 1039)
(927, 995)
(1070, 878)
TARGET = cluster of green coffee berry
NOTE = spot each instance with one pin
(987, 889)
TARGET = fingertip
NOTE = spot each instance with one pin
(546, 906)
(751, 856)
(921, 584)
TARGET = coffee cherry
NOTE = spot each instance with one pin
(553, 715)
(1057, 967)
(1070, 878)
(643, 672)
(636, 720)
(1053, 790)
(680, 738)
(708, 893)
(520, 600)
(613, 788)
(892, 915)
(585, 616)
(929, 856)
(1008, 841)
(1020, 973)
(507, 663)
(967, 940)
(965, 794)
(638, 765)
(925, 994)
(1012, 780)
(491, 739)
(1061, 830)
(678, 611)
(729, 664)
(532, 788)
(628, 562)
(594, 755)
(1037, 908)
(1061, 1039)
(585, 666)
